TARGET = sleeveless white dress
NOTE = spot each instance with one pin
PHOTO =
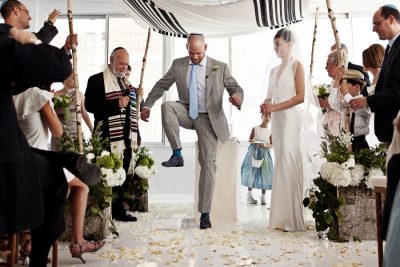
(288, 178)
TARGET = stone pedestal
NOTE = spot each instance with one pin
(96, 227)
(226, 200)
(359, 218)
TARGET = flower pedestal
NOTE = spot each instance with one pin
(135, 193)
(96, 227)
(359, 218)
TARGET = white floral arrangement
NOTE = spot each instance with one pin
(142, 164)
(345, 168)
(111, 168)
(348, 173)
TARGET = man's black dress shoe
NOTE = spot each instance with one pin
(124, 217)
(205, 222)
(174, 161)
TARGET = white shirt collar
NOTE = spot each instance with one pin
(391, 41)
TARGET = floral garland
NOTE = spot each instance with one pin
(342, 169)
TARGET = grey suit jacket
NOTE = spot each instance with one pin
(218, 77)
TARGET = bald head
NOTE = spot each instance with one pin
(119, 61)
(196, 47)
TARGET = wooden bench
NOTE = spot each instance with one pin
(379, 187)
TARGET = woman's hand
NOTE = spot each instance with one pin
(266, 108)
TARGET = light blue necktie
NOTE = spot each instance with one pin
(193, 106)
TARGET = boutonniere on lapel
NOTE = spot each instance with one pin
(214, 68)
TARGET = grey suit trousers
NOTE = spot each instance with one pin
(176, 114)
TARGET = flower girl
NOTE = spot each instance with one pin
(257, 166)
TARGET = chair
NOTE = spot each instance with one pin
(9, 250)
(54, 248)
(379, 188)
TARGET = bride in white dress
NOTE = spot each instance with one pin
(284, 102)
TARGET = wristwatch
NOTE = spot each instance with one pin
(48, 22)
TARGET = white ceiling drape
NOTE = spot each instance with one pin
(246, 16)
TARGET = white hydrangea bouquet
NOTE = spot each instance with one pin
(111, 168)
(343, 168)
(142, 164)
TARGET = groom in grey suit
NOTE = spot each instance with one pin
(200, 81)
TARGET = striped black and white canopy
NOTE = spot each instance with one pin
(245, 16)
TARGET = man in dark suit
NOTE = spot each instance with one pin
(353, 66)
(110, 98)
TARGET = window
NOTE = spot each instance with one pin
(90, 50)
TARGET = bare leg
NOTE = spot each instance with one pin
(78, 198)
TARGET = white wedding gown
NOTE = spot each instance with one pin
(288, 178)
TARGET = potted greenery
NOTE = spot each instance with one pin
(343, 181)
(141, 168)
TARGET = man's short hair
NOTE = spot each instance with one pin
(390, 10)
(8, 6)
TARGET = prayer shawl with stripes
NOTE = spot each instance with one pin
(242, 17)
(114, 90)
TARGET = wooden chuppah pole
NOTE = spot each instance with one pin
(78, 100)
(313, 42)
(139, 97)
(340, 61)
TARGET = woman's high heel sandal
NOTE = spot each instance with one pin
(77, 250)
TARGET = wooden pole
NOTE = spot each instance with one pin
(313, 41)
(346, 125)
(78, 100)
(139, 97)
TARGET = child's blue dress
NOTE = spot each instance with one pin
(258, 177)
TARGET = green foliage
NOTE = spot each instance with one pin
(325, 205)
(336, 148)
(135, 187)
(322, 90)
(372, 158)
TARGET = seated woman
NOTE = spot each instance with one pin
(35, 114)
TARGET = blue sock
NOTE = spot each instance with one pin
(204, 215)
(177, 152)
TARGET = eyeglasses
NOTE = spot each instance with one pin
(376, 24)
(26, 11)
